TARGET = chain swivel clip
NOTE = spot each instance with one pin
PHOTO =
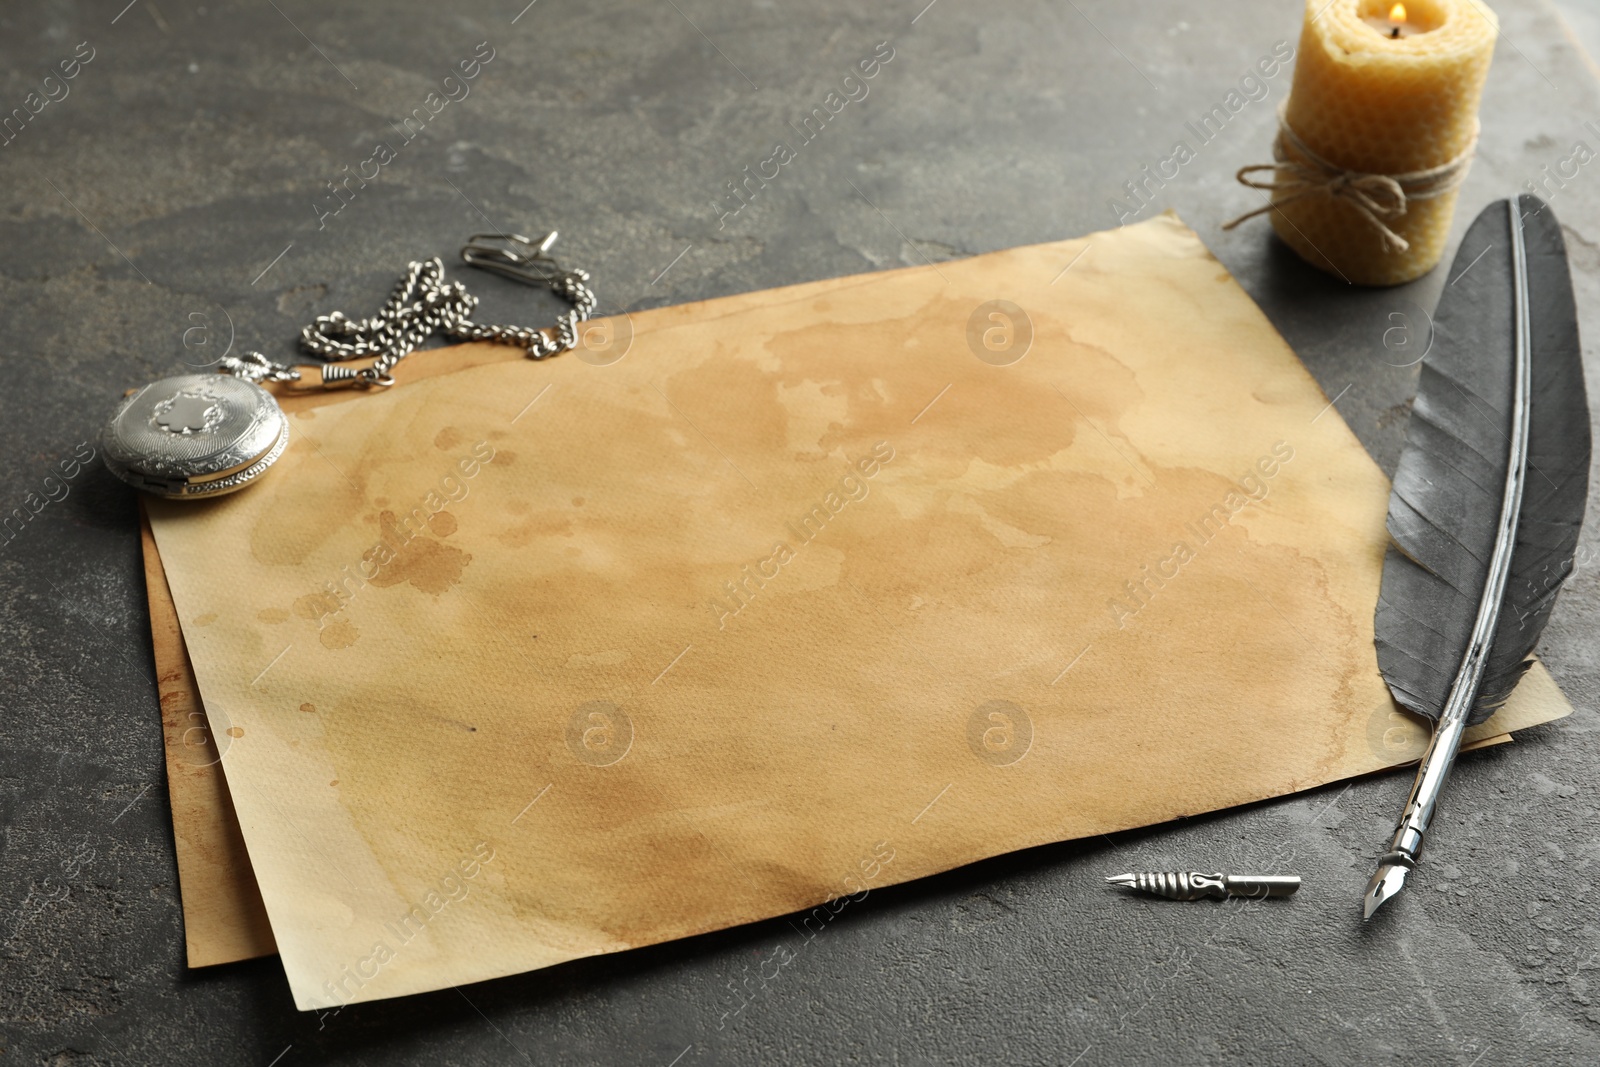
(519, 259)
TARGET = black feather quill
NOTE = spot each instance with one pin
(1445, 507)
(1487, 500)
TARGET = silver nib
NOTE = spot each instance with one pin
(1192, 885)
(1385, 885)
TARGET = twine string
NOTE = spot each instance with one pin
(1298, 172)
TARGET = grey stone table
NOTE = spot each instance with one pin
(178, 196)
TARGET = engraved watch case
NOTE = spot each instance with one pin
(196, 435)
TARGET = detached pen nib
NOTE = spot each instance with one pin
(1385, 885)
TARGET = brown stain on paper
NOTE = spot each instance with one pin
(340, 633)
(428, 565)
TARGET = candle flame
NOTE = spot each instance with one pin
(1397, 14)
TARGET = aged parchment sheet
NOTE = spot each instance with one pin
(223, 917)
(814, 590)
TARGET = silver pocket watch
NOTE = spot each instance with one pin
(203, 435)
(195, 435)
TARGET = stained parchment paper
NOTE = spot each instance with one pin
(813, 590)
(223, 917)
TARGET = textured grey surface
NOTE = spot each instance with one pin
(190, 153)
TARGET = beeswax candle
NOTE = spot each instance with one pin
(1371, 101)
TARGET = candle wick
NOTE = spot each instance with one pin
(1394, 31)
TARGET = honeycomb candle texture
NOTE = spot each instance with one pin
(1385, 89)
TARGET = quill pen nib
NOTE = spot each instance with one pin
(1385, 885)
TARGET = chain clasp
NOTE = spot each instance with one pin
(517, 257)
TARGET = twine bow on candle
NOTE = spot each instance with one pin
(1300, 172)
